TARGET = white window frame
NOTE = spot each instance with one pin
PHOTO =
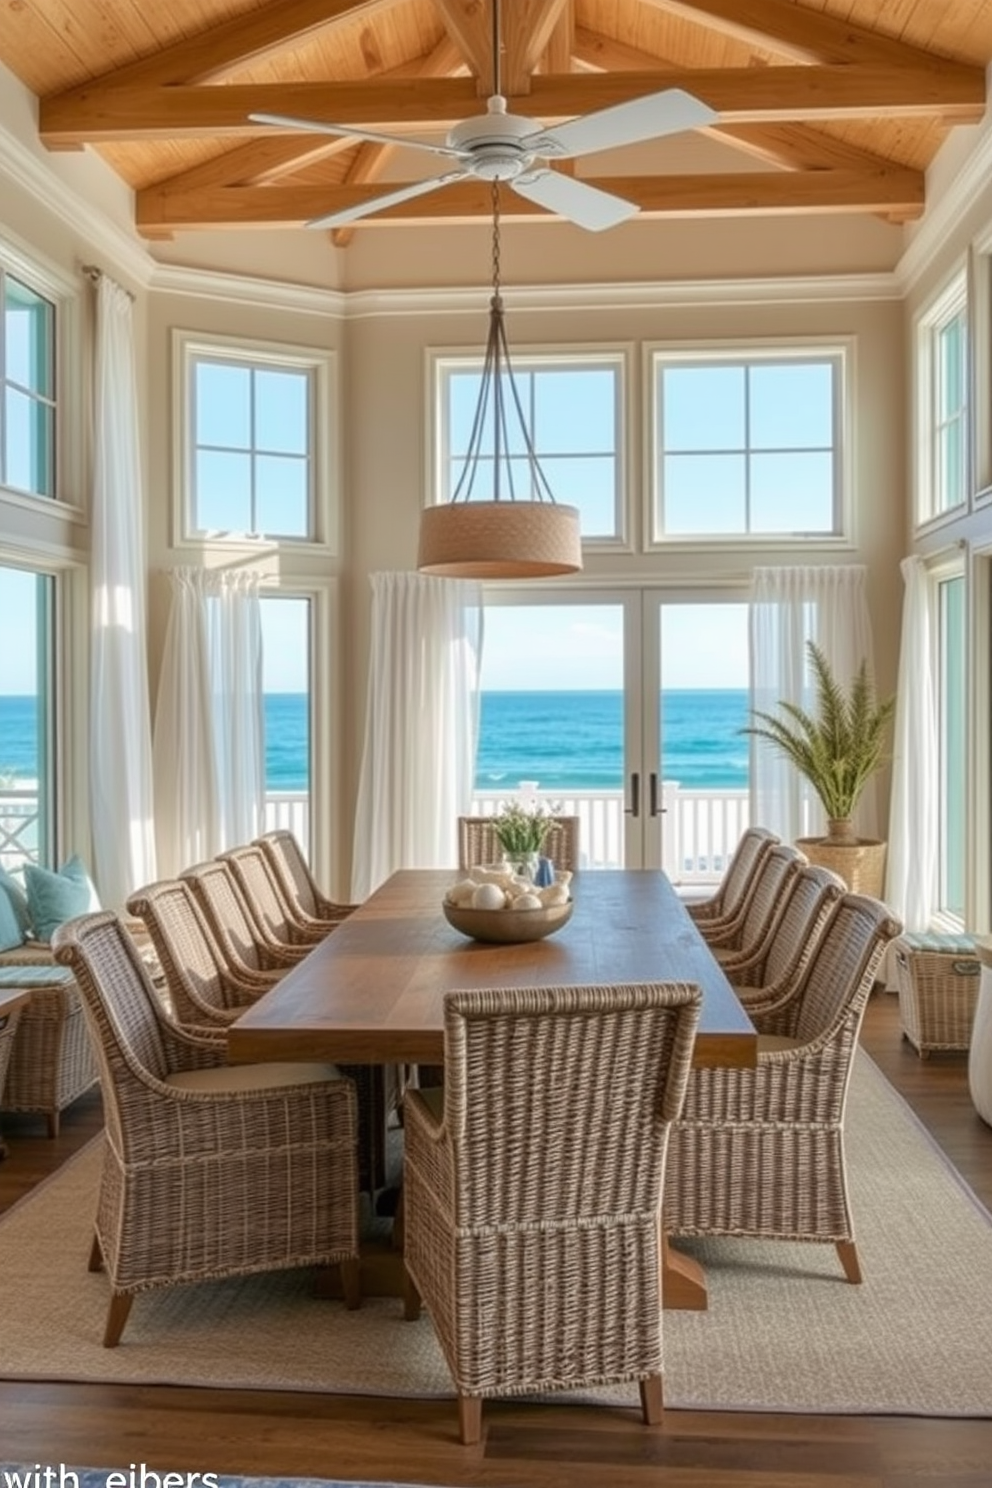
(933, 319)
(66, 503)
(953, 570)
(443, 361)
(320, 365)
(839, 350)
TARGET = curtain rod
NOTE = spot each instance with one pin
(95, 274)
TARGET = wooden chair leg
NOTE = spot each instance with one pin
(847, 1252)
(120, 1306)
(52, 1123)
(470, 1419)
(411, 1298)
(351, 1284)
(95, 1262)
(652, 1399)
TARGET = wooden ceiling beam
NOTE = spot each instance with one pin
(741, 95)
(797, 31)
(527, 28)
(558, 55)
(467, 23)
(235, 43)
(792, 146)
(895, 189)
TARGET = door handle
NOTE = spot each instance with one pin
(653, 795)
(634, 809)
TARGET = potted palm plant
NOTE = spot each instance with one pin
(837, 748)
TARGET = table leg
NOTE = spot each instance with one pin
(683, 1281)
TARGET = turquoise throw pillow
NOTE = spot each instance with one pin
(10, 889)
(54, 898)
(11, 934)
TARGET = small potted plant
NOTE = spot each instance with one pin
(521, 832)
(838, 748)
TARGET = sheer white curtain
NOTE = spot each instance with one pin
(911, 880)
(790, 606)
(121, 789)
(209, 746)
(421, 724)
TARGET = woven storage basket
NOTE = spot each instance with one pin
(937, 977)
(860, 864)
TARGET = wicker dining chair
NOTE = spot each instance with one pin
(478, 843)
(724, 908)
(308, 904)
(261, 889)
(770, 972)
(772, 883)
(245, 949)
(760, 1152)
(202, 988)
(209, 1170)
(533, 1185)
(205, 992)
(51, 1061)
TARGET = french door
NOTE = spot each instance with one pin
(623, 707)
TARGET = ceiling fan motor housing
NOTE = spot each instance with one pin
(493, 142)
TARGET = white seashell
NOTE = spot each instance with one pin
(461, 892)
(562, 876)
(555, 893)
(526, 901)
(488, 896)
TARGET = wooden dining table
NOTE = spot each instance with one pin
(372, 992)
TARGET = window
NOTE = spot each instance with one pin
(286, 629)
(258, 443)
(944, 418)
(747, 445)
(27, 693)
(27, 380)
(572, 410)
(951, 702)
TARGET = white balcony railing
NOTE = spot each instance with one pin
(699, 828)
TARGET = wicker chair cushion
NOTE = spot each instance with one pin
(229, 1077)
(34, 976)
(932, 940)
(55, 897)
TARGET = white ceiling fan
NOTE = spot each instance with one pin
(499, 146)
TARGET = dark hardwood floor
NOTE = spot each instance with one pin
(272, 1434)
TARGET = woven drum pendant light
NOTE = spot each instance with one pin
(512, 536)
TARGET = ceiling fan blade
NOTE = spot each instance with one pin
(630, 123)
(348, 131)
(581, 203)
(390, 199)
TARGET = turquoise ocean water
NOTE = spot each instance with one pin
(561, 740)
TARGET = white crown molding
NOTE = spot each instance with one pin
(612, 297)
(244, 289)
(35, 177)
(940, 219)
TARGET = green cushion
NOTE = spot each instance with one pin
(34, 976)
(54, 898)
(13, 891)
(11, 934)
(934, 940)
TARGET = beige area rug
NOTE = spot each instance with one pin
(784, 1331)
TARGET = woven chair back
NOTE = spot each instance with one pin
(751, 851)
(292, 870)
(479, 845)
(841, 973)
(557, 1100)
(185, 945)
(121, 1011)
(813, 894)
(257, 881)
(776, 874)
(219, 896)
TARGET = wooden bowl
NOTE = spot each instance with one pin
(507, 926)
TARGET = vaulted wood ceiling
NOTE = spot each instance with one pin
(837, 105)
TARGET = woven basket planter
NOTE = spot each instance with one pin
(938, 979)
(860, 864)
